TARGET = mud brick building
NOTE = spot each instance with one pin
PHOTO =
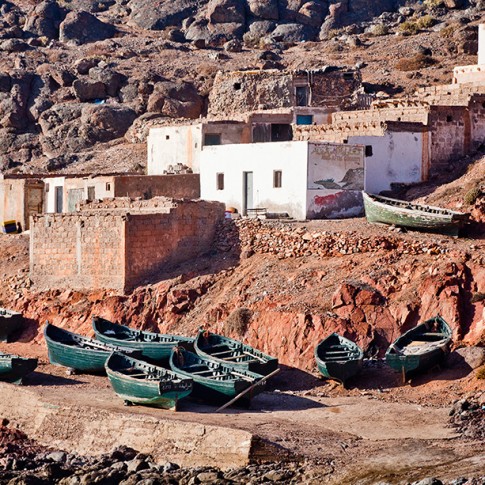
(119, 243)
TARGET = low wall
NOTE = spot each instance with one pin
(93, 431)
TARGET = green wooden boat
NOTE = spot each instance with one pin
(10, 321)
(420, 348)
(228, 351)
(76, 352)
(153, 346)
(415, 216)
(214, 382)
(138, 382)
(338, 358)
(13, 368)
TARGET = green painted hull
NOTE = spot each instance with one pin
(141, 383)
(10, 322)
(338, 358)
(153, 346)
(407, 214)
(76, 352)
(14, 368)
(420, 348)
(214, 382)
(228, 351)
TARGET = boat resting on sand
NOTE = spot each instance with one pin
(14, 368)
(228, 351)
(153, 346)
(338, 358)
(420, 348)
(138, 382)
(10, 321)
(76, 352)
(416, 216)
(215, 382)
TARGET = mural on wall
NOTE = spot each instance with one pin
(335, 181)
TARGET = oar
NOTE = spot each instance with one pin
(234, 399)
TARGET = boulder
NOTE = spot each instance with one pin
(472, 357)
(226, 11)
(261, 27)
(176, 100)
(82, 28)
(5, 82)
(62, 76)
(198, 31)
(288, 9)
(83, 65)
(335, 19)
(14, 45)
(13, 104)
(89, 90)
(159, 14)
(312, 13)
(290, 33)
(222, 33)
(111, 79)
(104, 122)
(264, 9)
(233, 46)
(45, 19)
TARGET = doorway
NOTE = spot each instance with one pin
(248, 201)
(58, 201)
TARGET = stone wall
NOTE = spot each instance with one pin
(117, 243)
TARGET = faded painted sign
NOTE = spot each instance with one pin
(336, 167)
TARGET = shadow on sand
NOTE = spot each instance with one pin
(43, 379)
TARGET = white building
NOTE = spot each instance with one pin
(306, 180)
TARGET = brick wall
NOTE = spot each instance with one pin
(118, 243)
(77, 251)
(477, 121)
(177, 186)
(155, 241)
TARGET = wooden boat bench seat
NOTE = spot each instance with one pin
(218, 354)
(434, 334)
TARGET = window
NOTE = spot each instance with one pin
(108, 186)
(91, 193)
(167, 137)
(301, 95)
(281, 132)
(220, 181)
(348, 76)
(368, 150)
(211, 139)
(277, 179)
(304, 119)
(237, 86)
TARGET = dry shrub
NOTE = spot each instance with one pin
(415, 63)
(379, 29)
(251, 40)
(425, 22)
(207, 70)
(476, 297)
(432, 3)
(472, 195)
(409, 27)
(481, 373)
(237, 322)
(448, 31)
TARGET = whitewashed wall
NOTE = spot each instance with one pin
(182, 146)
(396, 157)
(261, 159)
(50, 196)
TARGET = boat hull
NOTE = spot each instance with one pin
(240, 356)
(152, 346)
(420, 349)
(217, 391)
(10, 322)
(381, 210)
(13, 368)
(338, 358)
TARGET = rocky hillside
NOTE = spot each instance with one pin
(81, 81)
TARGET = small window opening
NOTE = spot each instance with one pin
(301, 95)
(237, 86)
(167, 137)
(449, 118)
(346, 141)
(368, 150)
(108, 186)
(348, 76)
(277, 179)
(47, 187)
(220, 181)
(211, 139)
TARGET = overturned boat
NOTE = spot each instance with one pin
(420, 348)
(138, 382)
(153, 346)
(338, 358)
(228, 351)
(416, 216)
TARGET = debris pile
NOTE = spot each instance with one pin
(287, 241)
(468, 416)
